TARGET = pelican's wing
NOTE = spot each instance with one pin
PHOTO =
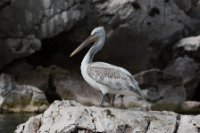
(114, 77)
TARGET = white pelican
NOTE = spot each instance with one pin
(107, 78)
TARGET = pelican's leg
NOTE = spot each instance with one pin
(122, 100)
(102, 99)
(111, 100)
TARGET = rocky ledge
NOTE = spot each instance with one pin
(70, 116)
(20, 98)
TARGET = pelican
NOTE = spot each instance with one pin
(107, 78)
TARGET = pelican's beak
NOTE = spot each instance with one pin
(89, 40)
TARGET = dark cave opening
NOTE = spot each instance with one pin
(56, 51)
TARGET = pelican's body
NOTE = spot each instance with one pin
(107, 78)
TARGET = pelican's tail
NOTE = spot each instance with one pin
(138, 91)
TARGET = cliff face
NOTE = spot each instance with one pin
(135, 29)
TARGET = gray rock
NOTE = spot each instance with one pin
(188, 69)
(135, 26)
(195, 13)
(70, 116)
(4, 3)
(13, 48)
(188, 46)
(20, 98)
(185, 5)
(24, 22)
(191, 107)
(186, 65)
(189, 124)
(198, 4)
(161, 88)
(132, 26)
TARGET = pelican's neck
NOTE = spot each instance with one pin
(92, 51)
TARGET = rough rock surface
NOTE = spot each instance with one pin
(186, 64)
(185, 5)
(131, 24)
(188, 69)
(70, 116)
(140, 29)
(13, 48)
(188, 46)
(38, 20)
(20, 98)
(158, 87)
(161, 88)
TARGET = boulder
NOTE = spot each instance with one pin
(14, 48)
(70, 116)
(186, 64)
(160, 88)
(191, 107)
(187, 68)
(20, 98)
(188, 46)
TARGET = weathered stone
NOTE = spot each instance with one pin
(188, 46)
(4, 3)
(70, 116)
(13, 48)
(185, 5)
(191, 107)
(137, 24)
(161, 88)
(134, 27)
(189, 124)
(184, 67)
(186, 64)
(20, 98)
(24, 22)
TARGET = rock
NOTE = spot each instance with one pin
(20, 98)
(186, 65)
(41, 18)
(20, 36)
(70, 116)
(14, 48)
(185, 5)
(198, 4)
(189, 124)
(137, 24)
(4, 3)
(195, 13)
(138, 29)
(161, 88)
(188, 69)
(188, 46)
(191, 107)
(69, 84)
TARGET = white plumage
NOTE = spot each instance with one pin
(107, 78)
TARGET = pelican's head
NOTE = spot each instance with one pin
(96, 34)
(99, 31)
